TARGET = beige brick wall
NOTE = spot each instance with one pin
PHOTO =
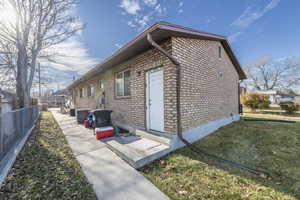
(132, 110)
(209, 87)
(208, 91)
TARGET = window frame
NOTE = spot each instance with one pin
(123, 78)
(220, 52)
(101, 84)
(80, 92)
(84, 93)
(88, 91)
(92, 90)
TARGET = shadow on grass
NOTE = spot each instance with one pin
(46, 168)
(277, 180)
(271, 147)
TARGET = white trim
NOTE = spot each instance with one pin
(147, 100)
(197, 133)
(123, 79)
(101, 84)
(147, 95)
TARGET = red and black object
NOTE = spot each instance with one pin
(102, 118)
(103, 124)
(89, 121)
(104, 132)
(87, 124)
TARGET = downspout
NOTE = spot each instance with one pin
(179, 125)
(178, 84)
(239, 98)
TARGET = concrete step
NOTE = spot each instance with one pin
(151, 136)
(135, 150)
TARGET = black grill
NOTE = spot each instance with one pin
(102, 118)
(72, 112)
(82, 115)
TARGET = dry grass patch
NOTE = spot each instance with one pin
(46, 168)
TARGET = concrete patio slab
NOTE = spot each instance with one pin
(137, 151)
(112, 178)
(117, 180)
(80, 146)
(81, 136)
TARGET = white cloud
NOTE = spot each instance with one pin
(130, 6)
(144, 20)
(131, 24)
(253, 13)
(158, 9)
(233, 38)
(150, 2)
(118, 45)
(70, 55)
(141, 12)
(180, 5)
(70, 58)
(210, 19)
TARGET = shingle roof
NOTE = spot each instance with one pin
(159, 31)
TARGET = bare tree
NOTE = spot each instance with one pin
(38, 25)
(8, 71)
(267, 74)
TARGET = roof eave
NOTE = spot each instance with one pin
(234, 60)
(118, 52)
(172, 29)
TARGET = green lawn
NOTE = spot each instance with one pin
(46, 168)
(273, 147)
(274, 112)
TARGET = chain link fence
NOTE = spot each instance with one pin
(14, 126)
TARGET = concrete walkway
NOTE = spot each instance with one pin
(111, 177)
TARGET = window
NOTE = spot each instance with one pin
(101, 84)
(81, 92)
(220, 52)
(89, 91)
(122, 81)
(84, 92)
(92, 90)
(75, 93)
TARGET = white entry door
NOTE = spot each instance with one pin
(155, 99)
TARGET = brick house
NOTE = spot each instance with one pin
(168, 80)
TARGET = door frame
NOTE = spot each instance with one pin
(147, 96)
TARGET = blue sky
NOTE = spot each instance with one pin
(255, 27)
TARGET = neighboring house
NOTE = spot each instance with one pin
(277, 96)
(140, 83)
(55, 99)
(243, 90)
(7, 101)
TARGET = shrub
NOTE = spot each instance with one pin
(289, 107)
(298, 102)
(254, 100)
